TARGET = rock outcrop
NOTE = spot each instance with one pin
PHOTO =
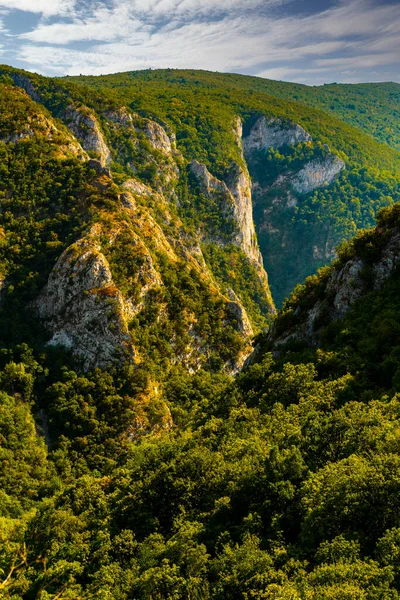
(26, 84)
(237, 200)
(34, 123)
(279, 187)
(99, 285)
(273, 133)
(83, 309)
(85, 126)
(82, 306)
(157, 154)
(155, 133)
(344, 285)
(316, 174)
(239, 313)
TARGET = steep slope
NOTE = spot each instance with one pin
(102, 258)
(360, 282)
(132, 464)
(282, 483)
(300, 234)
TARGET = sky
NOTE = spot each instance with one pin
(307, 41)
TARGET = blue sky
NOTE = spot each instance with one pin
(295, 40)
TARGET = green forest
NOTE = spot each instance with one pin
(210, 447)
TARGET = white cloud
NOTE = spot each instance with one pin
(359, 62)
(229, 35)
(106, 25)
(46, 7)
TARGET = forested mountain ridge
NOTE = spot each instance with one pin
(296, 237)
(132, 248)
(128, 239)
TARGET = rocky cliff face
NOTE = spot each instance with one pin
(138, 272)
(81, 121)
(162, 156)
(83, 309)
(237, 205)
(340, 289)
(236, 192)
(85, 126)
(34, 122)
(273, 133)
(279, 186)
(316, 174)
(239, 313)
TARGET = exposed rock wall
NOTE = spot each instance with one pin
(236, 192)
(273, 133)
(316, 174)
(239, 313)
(89, 305)
(159, 153)
(80, 121)
(343, 287)
(26, 84)
(279, 186)
(85, 126)
(239, 185)
(83, 309)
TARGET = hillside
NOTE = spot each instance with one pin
(296, 235)
(371, 107)
(164, 434)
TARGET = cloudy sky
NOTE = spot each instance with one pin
(310, 41)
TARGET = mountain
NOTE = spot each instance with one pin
(298, 229)
(165, 433)
(101, 254)
(371, 107)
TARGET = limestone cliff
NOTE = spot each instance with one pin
(339, 289)
(236, 204)
(273, 133)
(82, 308)
(136, 281)
(286, 165)
(317, 173)
(84, 125)
(236, 197)
(239, 312)
(34, 121)
(161, 156)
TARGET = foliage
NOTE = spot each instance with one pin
(146, 481)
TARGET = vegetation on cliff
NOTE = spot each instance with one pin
(133, 464)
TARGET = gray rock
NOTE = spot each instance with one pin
(82, 307)
(239, 313)
(344, 286)
(84, 125)
(238, 204)
(317, 173)
(390, 259)
(137, 187)
(273, 133)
